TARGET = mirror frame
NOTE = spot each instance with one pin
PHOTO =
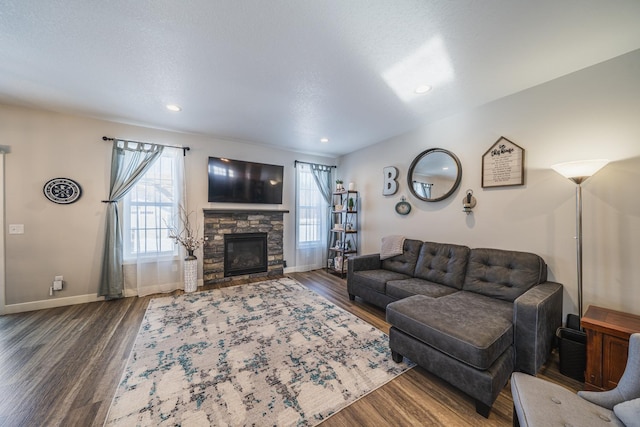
(419, 157)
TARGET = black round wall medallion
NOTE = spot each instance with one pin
(62, 190)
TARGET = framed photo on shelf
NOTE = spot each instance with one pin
(503, 164)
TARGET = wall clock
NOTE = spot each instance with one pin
(62, 190)
(403, 207)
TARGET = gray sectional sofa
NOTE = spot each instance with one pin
(469, 316)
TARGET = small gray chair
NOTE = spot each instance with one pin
(537, 402)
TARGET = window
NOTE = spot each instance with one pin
(311, 209)
(151, 206)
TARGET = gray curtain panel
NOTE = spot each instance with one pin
(129, 162)
(322, 176)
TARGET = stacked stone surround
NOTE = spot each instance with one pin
(218, 222)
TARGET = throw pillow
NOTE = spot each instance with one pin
(628, 412)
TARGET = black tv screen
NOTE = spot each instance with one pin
(237, 181)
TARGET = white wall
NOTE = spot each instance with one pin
(589, 114)
(67, 239)
(593, 113)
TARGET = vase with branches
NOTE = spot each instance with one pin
(186, 233)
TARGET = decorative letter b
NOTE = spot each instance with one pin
(390, 183)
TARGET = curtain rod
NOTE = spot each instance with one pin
(308, 163)
(184, 149)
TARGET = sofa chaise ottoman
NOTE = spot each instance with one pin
(469, 316)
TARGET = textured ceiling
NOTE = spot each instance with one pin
(286, 73)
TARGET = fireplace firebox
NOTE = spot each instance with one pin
(245, 253)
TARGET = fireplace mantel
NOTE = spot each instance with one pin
(251, 211)
(218, 222)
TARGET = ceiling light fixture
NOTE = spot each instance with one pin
(173, 107)
(324, 140)
(422, 89)
(429, 63)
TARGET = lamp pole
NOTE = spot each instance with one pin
(577, 172)
(579, 244)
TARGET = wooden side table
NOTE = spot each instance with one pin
(608, 334)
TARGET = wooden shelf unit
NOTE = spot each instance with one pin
(343, 235)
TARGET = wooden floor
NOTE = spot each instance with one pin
(61, 366)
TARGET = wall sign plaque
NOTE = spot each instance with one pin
(503, 164)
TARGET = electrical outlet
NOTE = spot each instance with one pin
(57, 283)
(16, 228)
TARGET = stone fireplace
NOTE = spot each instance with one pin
(222, 224)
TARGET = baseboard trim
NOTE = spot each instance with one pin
(301, 268)
(51, 303)
(62, 302)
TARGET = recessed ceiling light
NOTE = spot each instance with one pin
(173, 107)
(429, 63)
(422, 89)
(324, 140)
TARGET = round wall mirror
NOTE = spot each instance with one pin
(434, 175)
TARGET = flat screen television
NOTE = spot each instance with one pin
(237, 181)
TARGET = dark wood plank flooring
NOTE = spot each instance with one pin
(61, 367)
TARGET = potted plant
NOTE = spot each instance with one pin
(339, 186)
(351, 204)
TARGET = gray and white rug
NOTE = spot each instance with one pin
(267, 353)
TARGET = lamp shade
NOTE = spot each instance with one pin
(580, 170)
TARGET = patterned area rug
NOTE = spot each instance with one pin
(267, 353)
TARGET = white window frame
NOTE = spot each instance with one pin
(309, 199)
(164, 169)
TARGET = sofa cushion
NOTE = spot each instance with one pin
(503, 274)
(399, 289)
(537, 402)
(404, 263)
(376, 279)
(469, 327)
(442, 263)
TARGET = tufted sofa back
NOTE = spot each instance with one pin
(405, 262)
(503, 274)
(442, 263)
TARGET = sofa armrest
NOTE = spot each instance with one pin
(364, 262)
(536, 315)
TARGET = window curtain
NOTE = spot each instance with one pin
(150, 274)
(129, 161)
(312, 253)
(422, 188)
(322, 177)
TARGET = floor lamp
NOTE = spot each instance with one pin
(578, 172)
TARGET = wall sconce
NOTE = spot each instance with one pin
(469, 202)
